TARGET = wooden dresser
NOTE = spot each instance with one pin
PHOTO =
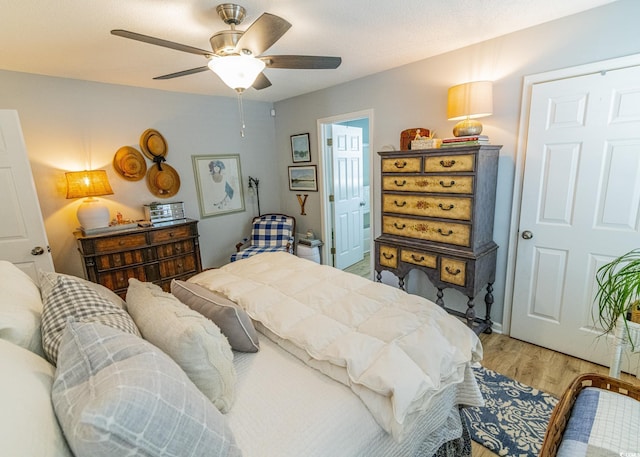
(437, 217)
(154, 254)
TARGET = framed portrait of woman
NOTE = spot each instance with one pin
(219, 184)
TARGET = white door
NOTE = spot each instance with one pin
(580, 206)
(348, 194)
(23, 240)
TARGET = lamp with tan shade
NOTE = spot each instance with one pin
(92, 213)
(467, 102)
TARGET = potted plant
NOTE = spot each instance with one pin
(619, 292)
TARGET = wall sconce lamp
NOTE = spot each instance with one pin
(255, 183)
(467, 102)
(92, 213)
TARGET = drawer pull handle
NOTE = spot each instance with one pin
(447, 163)
(398, 204)
(445, 209)
(387, 256)
(441, 232)
(400, 184)
(121, 243)
(399, 226)
(455, 272)
(451, 184)
(416, 259)
(171, 234)
(399, 164)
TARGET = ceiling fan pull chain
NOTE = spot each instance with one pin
(241, 108)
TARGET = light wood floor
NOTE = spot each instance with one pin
(538, 367)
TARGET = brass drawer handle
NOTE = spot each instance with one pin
(452, 272)
(445, 209)
(451, 184)
(398, 204)
(171, 234)
(399, 164)
(387, 256)
(399, 226)
(404, 181)
(447, 163)
(121, 243)
(450, 232)
(416, 259)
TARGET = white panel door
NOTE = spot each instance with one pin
(23, 240)
(348, 194)
(580, 206)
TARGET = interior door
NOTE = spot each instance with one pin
(580, 206)
(23, 240)
(348, 194)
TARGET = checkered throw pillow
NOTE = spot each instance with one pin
(275, 231)
(70, 298)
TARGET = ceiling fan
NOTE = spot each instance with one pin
(236, 56)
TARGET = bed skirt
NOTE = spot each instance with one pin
(459, 447)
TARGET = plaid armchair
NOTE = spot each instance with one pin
(269, 233)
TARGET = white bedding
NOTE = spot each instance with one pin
(396, 351)
(285, 409)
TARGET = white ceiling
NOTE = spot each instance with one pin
(71, 38)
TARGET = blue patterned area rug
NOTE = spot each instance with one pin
(515, 416)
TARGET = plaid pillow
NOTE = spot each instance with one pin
(70, 298)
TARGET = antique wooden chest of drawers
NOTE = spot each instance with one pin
(153, 254)
(437, 216)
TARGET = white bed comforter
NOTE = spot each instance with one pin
(395, 350)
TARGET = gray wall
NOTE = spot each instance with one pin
(67, 123)
(415, 96)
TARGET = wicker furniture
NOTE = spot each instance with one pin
(564, 408)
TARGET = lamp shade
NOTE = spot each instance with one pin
(92, 213)
(87, 184)
(470, 100)
(237, 72)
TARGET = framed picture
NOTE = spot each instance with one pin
(300, 149)
(303, 178)
(219, 184)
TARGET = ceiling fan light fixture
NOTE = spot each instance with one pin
(237, 72)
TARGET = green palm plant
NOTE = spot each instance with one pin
(618, 290)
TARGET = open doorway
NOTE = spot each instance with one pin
(345, 190)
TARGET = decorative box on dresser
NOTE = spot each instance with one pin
(152, 254)
(437, 217)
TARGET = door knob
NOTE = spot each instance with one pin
(37, 251)
(527, 235)
(362, 203)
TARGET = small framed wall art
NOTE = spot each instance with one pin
(300, 149)
(303, 178)
(219, 184)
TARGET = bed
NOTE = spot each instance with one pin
(288, 398)
(342, 406)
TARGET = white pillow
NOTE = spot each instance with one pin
(20, 308)
(117, 395)
(28, 425)
(190, 339)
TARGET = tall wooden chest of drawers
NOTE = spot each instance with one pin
(154, 254)
(437, 217)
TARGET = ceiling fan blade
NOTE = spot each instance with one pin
(302, 62)
(262, 34)
(161, 42)
(183, 73)
(261, 82)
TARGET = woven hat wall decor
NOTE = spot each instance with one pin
(129, 163)
(162, 179)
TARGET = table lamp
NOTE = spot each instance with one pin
(467, 102)
(92, 213)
